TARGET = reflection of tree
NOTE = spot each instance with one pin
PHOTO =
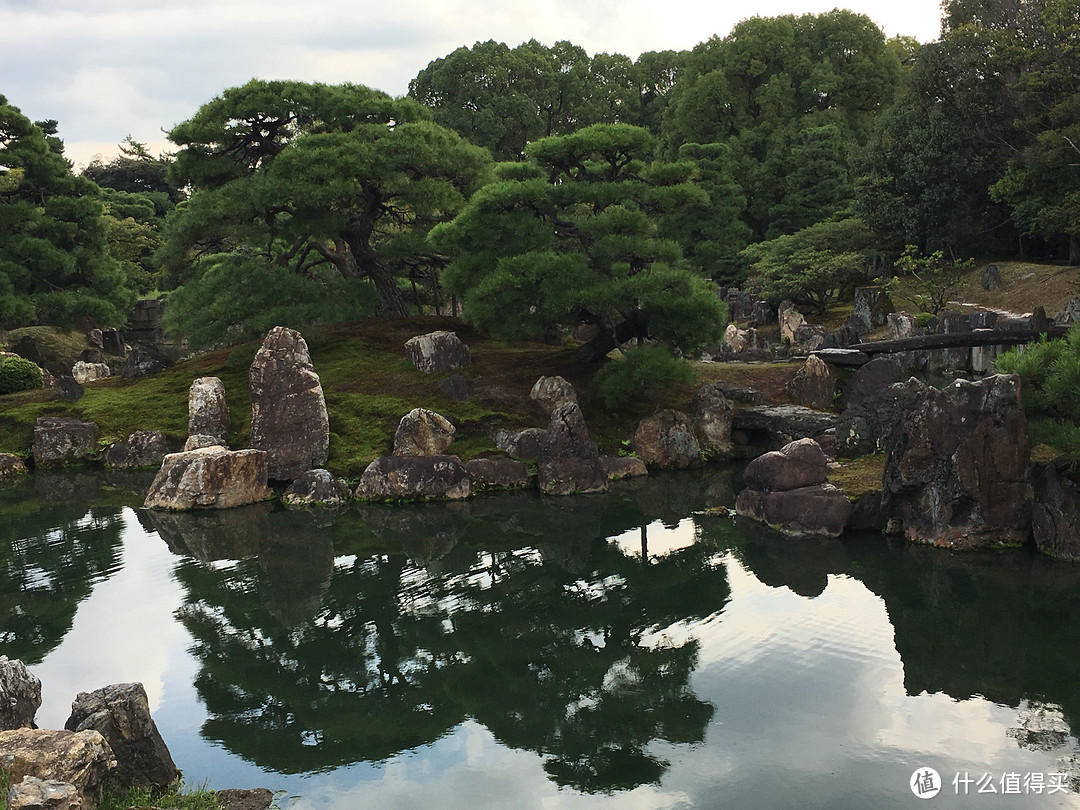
(997, 624)
(52, 553)
(544, 639)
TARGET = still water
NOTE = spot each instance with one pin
(622, 650)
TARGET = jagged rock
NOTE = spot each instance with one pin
(809, 337)
(437, 351)
(761, 314)
(92, 355)
(423, 433)
(497, 473)
(1071, 313)
(143, 448)
(10, 465)
(456, 387)
(94, 338)
(990, 277)
(667, 440)
(871, 379)
(901, 325)
(20, 695)
(208, 410)
(1055, 516)
(790, 321)
(799, 464)
(68, 388)
(414, 478)
(288, 411)
(617, 467)
(61, 439)
(43, 794)
(121, 714)
(814, 385)
(872, 307)
(254, 799)
(739, 340)
(711, 412)
(569, 461)
(89, 372)
(821, 509)
(144, 359)
(520, 443)
(82, 759)
(871, 424)
(209, 478)
(551, 392)
(957, 474)
(316, 488)
(199, 441)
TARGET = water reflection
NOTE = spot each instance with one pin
(513, 611)
(59, 535)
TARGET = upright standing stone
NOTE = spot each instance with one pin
(20, 695)
(957, 473)
(121, 714)
(666, 439)
(569, 461)
(551, 392)
(208, 412)
(423, 433)
(288, 411)
(437, 351)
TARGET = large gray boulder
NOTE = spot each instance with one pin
(209, 478)
(316, 488)
(569, 461)
(520, 443)
(957, 474)
(423, 433)
(62, 439)
(437, 351)
(121, 714)
(619, 467)
(288, 412)
(84, 372)
(81, 759)
(20, 695)
(414, 478)
(667, 440)
(208, 410)
(143, 448)
(872, 308)
(551, 392)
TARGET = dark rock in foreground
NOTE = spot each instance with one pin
(569, 461)
(414, 478)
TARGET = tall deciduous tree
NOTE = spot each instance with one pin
(571, 236)
(325, 182)
(55, 265)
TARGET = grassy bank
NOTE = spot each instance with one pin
(369, 385)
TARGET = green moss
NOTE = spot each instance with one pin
(177, 798)
(54, 342)
(859, 476)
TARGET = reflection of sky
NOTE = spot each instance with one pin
(810, 708)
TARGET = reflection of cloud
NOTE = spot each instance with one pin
(143, 66)
(110, 642)
(660, 539)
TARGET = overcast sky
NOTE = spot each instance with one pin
(108, 68)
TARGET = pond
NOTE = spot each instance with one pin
(622, 650)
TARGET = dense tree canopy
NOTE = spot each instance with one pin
(571, 236)
(329, 184)
(55, 265)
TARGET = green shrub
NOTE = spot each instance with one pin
(644, 369)
(19, 374)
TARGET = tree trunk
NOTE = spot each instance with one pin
(368, 263)
(1074, 249)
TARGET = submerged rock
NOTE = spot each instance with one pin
(316, 488)
(498, 473)
(143, 448)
